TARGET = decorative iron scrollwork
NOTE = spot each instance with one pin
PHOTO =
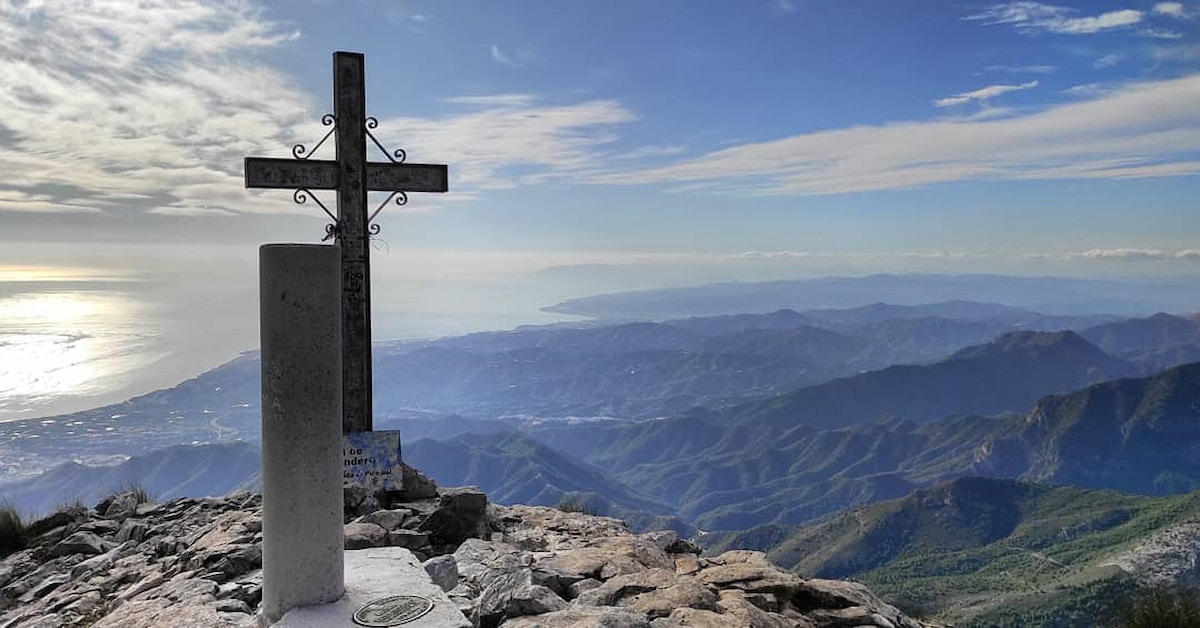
(332, 230)
(397, 156)
(300, 152)
(401, 200)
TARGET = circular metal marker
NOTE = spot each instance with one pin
(392, 611)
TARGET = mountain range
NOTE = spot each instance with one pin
(1053, 295)
(756, 430)
(989, 552)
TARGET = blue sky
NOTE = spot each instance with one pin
(593, 146)
(811, 135)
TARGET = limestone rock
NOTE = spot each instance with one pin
(386, 519)
(443, 570)
(365, 535)
(124, 505)
(132, 529)
(583, 617)
(198, 562)
(533, 599)
(461, 515)
(840, 602)
(81, 543)
(408, 539)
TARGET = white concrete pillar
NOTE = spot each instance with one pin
(300, 333)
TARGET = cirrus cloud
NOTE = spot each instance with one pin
(1149, 129)
(983, 94)
(1031, 17)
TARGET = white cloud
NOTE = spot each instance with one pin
(102, 104)
(1089, 90)
(983, 94)
(501, 147)
(516, 59)
(1032, 17)
(1134, 255)
(500, 57)
(643, 152)
(1107, 61)
(1147, 129)
(1171, 9)
(1160, 33)
(153, 110)
(1186, 53)
(1022, 69)
(786, 6)
(494, 100)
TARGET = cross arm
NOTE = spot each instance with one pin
(292, 174)
(404, 177)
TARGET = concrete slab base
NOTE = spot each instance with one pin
(377, 573)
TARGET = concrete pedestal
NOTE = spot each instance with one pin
(377, 573)
(300, 313)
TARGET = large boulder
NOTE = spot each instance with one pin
(461, 515)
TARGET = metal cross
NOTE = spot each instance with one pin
(352, 176)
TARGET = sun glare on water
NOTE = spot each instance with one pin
(54, 344)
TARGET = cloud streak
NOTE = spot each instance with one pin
(1139, 130)
(983, 95)
(1171, 9)
(1033, 17)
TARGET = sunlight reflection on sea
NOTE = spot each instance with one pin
(58, 344)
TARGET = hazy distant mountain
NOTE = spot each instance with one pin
(184, 470)
(977, 551)
(515, 469)
(1138, 435)
(1007, 374)
(1044, 294)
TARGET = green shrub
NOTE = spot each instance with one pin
(1157, 608)
(12, 530)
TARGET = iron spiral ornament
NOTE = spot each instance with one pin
(299, 151)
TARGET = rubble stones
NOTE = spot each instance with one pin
(190, 562)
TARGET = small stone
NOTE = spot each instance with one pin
(444, 571)
(56, 519)
(132, 530)
(232, 606)
(81, 543)
(364, 535)
(408, 539)
(387, 519)
(686, 565)
(125, 505)
(581, 587)
(533, 599)
(102, 527)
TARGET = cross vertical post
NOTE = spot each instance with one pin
(349, 109)
(352, 176)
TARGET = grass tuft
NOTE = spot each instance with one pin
(572, 503)
(13, 534)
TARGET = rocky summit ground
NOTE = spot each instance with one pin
(197, 562)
